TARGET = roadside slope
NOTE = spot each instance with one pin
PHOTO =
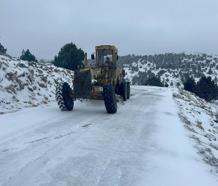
(28, 84)
(145, 143)
(200, 118)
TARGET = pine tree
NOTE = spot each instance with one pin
(27, 56)
(2, 50)
(69, 57)
(190, 84)
(206, 89)
(154, 81)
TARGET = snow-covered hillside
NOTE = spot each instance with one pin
(145, 143)
(171, 68)
(200, 118)
(24, 84)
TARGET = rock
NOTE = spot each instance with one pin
(22, 65)
(22, 75)
(11, 76)
(199, 125)
(21, 84)
(30, 89)
(44, 79)
(11, 89)
(42, 85)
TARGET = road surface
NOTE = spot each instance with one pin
(145, 143)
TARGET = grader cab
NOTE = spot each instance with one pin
(102, 79)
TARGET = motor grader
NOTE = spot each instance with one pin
(102, 79)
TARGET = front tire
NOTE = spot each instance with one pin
(64, 97)
(110, 99)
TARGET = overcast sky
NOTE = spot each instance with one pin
(134, 26)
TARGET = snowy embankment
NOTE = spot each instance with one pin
(172, 69)
(145, 143)
(28, 84)
(201, 120)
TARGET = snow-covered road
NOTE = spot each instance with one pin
(144, 144)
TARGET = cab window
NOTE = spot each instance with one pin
(105, 56)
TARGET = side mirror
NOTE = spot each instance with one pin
(92, 56)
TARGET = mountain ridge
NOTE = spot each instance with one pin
(172, 68)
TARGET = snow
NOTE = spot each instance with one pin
(145, 143)
(193, 65)
(200, 120)
(28, 84)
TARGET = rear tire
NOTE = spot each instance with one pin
(110, 99)
(124, 90)
(128, 90)
(64, 97)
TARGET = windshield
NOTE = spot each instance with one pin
(105, 56)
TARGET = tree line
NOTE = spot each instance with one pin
(69, 56)
(205, 88)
